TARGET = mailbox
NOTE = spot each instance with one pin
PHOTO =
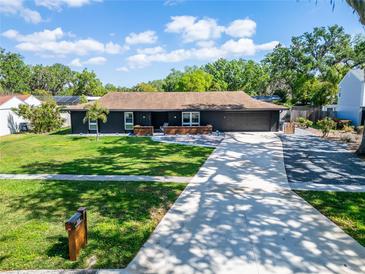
(76, 227)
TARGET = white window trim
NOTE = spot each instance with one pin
(190, 123)
(93, 123)
(126, 125)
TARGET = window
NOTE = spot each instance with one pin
(128, 120)
(93, 125)
(190, 118)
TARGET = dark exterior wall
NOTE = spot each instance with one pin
(77, 125)
(142, 118)
(114, 123)
(220, 120)
(175, 118)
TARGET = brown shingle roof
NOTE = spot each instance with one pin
(149, 101)
(22, 96)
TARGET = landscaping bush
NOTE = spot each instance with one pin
(43, 118)
(326, 125)
(348, 138)
(360, 130)
(304, 123)
(340, 124)
(347, 128)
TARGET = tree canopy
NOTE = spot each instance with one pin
(307, 71)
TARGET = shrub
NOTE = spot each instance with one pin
(304, 123)
(342, 123)
(347, 128)
(348, 138)
(360, 130)
(326, 125)
(44, 118)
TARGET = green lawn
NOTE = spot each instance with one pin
(121, 216)
(111, 155)
(345, 209)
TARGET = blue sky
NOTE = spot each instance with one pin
(126, 42)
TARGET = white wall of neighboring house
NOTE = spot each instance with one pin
(9, 121)
(351, 97)
(33, 101)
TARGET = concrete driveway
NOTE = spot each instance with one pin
(311, 159)
(238, 215)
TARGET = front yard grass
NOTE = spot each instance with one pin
(121, 216)
(111, 155)
(345, 209)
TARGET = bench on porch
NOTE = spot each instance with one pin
(143, 130)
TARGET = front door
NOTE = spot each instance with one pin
(158, 119)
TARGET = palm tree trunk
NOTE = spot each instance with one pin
(97, 131)
(361, 150)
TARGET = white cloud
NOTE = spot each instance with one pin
(49, 43)
(113, 48)
(197, 30)
(91, 61)
(237, 48)
(35, 37)
(193, 30)
(267, 46)
(243, 46)
(62, 48)
(172, 2)
(58, 4)
(241, 28)
(154, 50)
(205, 44)
(123, 69)
(76, 63)
(147, 37)
(16, 7)
(96, 61)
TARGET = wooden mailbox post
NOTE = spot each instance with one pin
(76, 227)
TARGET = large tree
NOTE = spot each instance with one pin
(86, 83)
(14, 73)
(54, 79)
(194, 79)
(240, 74)
(325, 55)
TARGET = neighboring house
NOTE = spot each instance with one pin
(225, 111)
(9, 121)
(351, 97)
(30, 100)
(65, 101)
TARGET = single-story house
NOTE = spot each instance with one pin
(225, 111)
(351, 97)
(10, 121)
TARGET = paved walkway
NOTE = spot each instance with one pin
(238, 215)
(327, 187)
(70, 177)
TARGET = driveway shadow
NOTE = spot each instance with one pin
(310, 159)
